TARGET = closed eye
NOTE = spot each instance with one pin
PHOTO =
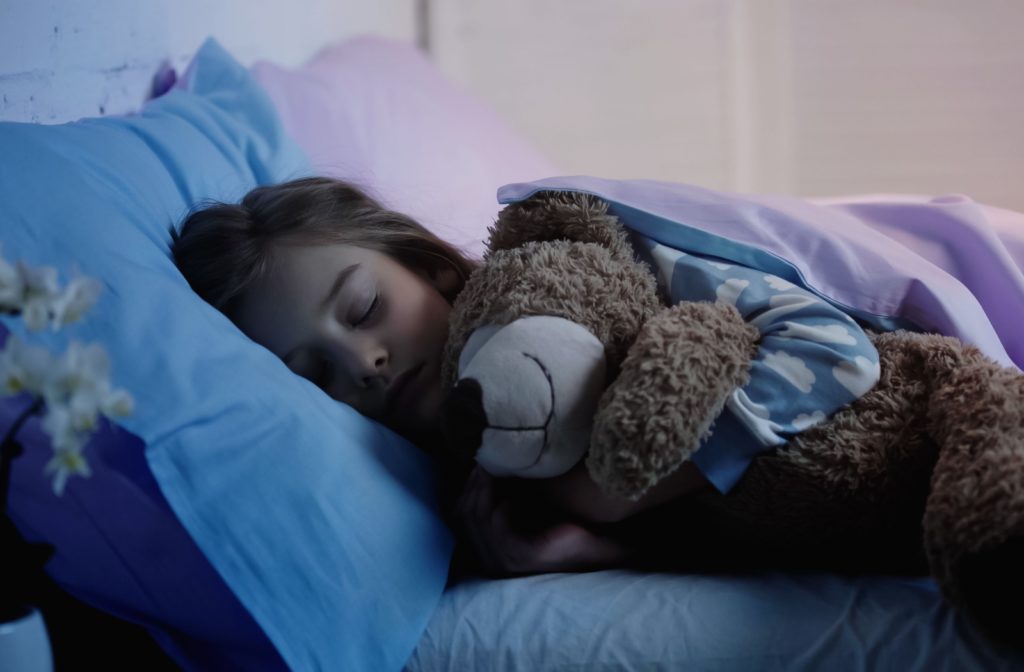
(370, 312)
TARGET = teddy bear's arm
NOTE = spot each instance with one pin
(674, 383)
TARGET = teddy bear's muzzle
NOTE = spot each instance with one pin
(526, 396)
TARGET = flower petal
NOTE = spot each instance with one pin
(75, 301)
(118, 404)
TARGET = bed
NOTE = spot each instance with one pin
(194, 527)
(620, 620)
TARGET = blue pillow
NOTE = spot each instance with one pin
(323, 523)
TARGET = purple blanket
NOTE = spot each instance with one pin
(945, 264)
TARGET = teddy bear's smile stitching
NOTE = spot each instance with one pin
(547, 421)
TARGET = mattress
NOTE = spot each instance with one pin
(627, 620)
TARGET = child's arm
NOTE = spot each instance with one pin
(527, 526)
(511, 534)
(577, 496)
(812, 358)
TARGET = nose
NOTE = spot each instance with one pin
(369, 364)
(365, 361)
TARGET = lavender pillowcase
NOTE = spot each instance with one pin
(377, 113)
(945, 264)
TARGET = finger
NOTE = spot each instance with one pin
(501, 548)
(474, 509)
(576, 547)
(512, 549)
(468, 498)
(485, 495)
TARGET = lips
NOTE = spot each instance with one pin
(399, 386)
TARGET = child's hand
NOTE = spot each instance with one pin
(506, 543)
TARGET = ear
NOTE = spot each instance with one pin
(446, 281)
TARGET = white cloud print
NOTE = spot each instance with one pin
(819, 333)
(803, 421)
(755, 417)
(777, 283)
(781, 305)
(719, 265)
(730, 290)
(792, 369)
(857, 376)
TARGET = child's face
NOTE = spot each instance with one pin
(358, 324)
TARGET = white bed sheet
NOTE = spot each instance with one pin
(625, 620)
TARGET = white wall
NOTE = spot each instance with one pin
(812, 97)
(65, 59)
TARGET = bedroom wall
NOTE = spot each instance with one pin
(812, 97)
(64, 59)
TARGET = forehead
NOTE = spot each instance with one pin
(287, 296)
(302, 273)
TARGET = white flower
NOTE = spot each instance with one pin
(117, 404)
(75, 386)
(40, 291)
(79, 381)
(23, 367)
(66, 463)
(59, 424)
(84, 407)
(81, 370)
(76, 300)
(36, 294)
(12, 289)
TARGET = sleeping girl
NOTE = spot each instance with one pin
(356, 299)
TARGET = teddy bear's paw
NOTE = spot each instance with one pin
(974, 541)
(991, 591)
(673, 384)
(974, 519)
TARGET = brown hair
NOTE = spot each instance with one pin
(223, 248)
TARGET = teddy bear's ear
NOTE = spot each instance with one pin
(559, 215)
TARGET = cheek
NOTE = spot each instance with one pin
(413, 320)
(440, 310)
(421, 317)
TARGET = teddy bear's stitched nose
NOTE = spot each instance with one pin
(463, 418)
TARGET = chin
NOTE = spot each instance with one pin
(424, 424)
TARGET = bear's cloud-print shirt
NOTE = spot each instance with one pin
(812, 358)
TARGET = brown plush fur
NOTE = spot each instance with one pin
(852, 489)
(560, 216)
(582, 273)
(926, 467)
(673, 384)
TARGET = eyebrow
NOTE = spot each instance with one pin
(339, 282)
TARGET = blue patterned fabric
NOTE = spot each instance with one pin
(812, 358)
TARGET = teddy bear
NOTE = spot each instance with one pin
(560, 350)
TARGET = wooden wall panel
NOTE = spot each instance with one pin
(811, 97)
